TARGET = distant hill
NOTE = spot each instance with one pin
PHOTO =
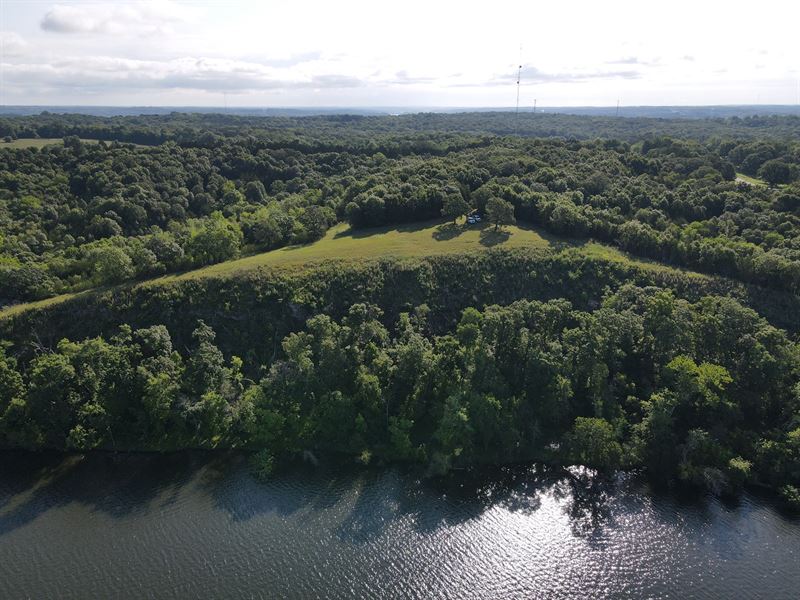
(661, 112)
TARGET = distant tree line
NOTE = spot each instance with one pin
(382, 133)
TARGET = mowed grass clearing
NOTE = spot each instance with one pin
(37, 142)
(750, 180)
(341, 243)
(42, 142)
(609, 253)
(413, 240)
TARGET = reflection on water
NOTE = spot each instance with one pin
(192, 525)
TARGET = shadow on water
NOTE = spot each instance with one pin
(370, 500)
(587, 496)
(298, 486)
(359, 504)
(117, 485)
(376, 506)
(464, 496)
(121, 485)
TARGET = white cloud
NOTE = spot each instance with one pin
(12, 45)
(419, 52)
(96, 73)
(140, 18)
(532, 75)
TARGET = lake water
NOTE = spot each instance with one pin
(195, 525)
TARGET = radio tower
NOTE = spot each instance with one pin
(519, 74)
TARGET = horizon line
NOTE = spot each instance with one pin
(409, 106)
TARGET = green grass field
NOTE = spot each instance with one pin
(414, 240)
(31, 143)
(750, 180)
(42, 142)
(609, 253)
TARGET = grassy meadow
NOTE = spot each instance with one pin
(404, 241)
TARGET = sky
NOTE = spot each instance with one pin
(315, 53)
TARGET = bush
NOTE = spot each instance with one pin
(262, 464)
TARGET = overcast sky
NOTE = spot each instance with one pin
(409, 53)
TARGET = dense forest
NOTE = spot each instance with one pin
(81, 214)
(705, 392)
(498, 357)
(350, 131)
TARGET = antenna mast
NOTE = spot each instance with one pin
(519, 74)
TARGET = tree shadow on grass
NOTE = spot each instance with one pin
(447, 231)
(492, 237)
(366, 232)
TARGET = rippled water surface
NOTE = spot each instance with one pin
(195, 525)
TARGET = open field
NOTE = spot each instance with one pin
(37, 142)
(412, 240)
(609, 253)
(42, 142)
(750, 180)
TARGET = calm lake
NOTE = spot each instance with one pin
(193, 525)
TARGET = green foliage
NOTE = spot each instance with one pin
(655, 436)
(791, 495)
(25, 282)
(262, 464)
(739, 471)
(110, 264)
(208, 188)
(592, 441)
(701, 387)
(499, 212)
(777, 171)
(214, 240)
(613, 387)
(449, 361)
(454, 206)
(11, 385)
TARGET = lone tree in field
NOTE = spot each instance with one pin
(454, 205)
(500, 212)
